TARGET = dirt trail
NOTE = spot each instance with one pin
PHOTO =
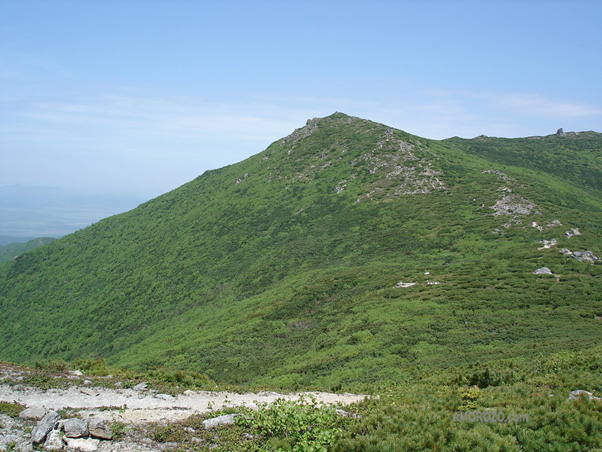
(83, 397)
(141, 406)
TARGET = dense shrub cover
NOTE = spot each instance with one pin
(282, 270)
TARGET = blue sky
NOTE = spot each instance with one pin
(138, 97)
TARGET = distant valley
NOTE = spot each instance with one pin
(31, 212)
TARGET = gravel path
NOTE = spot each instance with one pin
(135, 407)
(141, 406)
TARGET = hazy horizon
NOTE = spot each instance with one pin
(28, 212)
(137, 98)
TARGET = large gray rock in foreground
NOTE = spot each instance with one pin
(82, 444)
(38, 436)
(54, 441)
(75, 428)
(99, 429)
(36, 413)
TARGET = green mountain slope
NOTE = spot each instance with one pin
(284, 269)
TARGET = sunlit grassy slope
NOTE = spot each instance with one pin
(282, 269)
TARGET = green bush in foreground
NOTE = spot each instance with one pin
(297, 426)
(117, 430)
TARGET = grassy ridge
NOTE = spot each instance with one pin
(281, 269)
(574, 156)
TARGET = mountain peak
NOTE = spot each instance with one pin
(285, 268)
(370, 160)
(313, 124)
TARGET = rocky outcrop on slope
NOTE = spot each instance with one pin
(513, 205)
(582, 256)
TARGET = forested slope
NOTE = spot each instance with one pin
(284, 269)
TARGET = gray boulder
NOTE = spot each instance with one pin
(33, 413)
(543, 271)
(99, 429)
(75, 428)
(82, 444)
(402, 285)
(547, 244)
(227, 419)
(574, 395)
(38, 436)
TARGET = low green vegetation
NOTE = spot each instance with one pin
(52, 365)
(512, 404)
(515, 405)
(11, 409)
(118, 430)
(95, 372)
(296, 426)
(508, 405)
(573, 156)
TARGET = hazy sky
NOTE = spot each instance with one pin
(139, 97)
